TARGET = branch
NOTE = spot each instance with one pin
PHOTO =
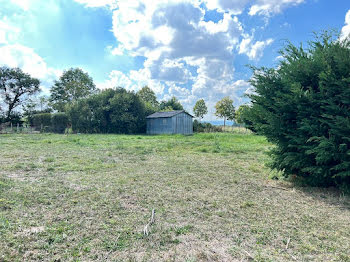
(151, 221)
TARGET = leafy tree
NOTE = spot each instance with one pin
(148, 96)
(74, 84)
(303, 107)
(225, 109)
(110, 111)
(171, 105)
(200, 109)
(245, 116)
(15, 87)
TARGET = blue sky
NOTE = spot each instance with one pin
(188, 48)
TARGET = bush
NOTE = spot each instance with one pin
(111, 111)
(303, 107)
(41, 121)
(199, 127)
(59, 122)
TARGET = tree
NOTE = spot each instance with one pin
(200, 109)
(171, 105)
(148, 96)
(74, 84)
(15, 86)
(35, 105)
(225, 109)
(110, 111)
(245, 116)
(303, 107)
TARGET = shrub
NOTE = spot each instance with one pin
(199, 127)
(59, 122)
(303, 107)
(111, 111)
(41, 121)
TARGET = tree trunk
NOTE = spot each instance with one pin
(224, 122)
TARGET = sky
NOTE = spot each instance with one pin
(190, 49)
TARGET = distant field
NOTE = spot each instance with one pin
(88, 197)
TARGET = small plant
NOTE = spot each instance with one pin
(247, 204)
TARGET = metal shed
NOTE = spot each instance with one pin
(172, 122)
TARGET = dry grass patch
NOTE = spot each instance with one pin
(88, 197)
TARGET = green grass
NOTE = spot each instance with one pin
(88, 197)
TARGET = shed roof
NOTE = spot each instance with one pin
(167, 114)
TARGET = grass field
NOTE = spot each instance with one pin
(88, 197)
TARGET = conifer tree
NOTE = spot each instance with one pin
(303, 107)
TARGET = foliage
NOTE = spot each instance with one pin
(35, 106)
(199, 127)
(41, 121)
(59, 122)
(15, 86)
(225, 109)
(244, 116)
(171, 105)
(74, 84)
(111, 111)
(200, 109)
(148, 96)
(303, 106)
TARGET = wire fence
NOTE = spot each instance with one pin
(9, 128)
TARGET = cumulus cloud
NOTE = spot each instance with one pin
(24, 4)
(8, 32)
(269, 7)
(345, 32)
(97, 3)
(134, 80)
(30, 62)
(253, 50)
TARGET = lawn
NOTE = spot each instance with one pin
(88, 198)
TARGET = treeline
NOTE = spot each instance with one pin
(76, 105)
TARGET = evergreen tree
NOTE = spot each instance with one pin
(303, 107)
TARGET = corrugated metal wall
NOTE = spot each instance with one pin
(179, 124)
(159, 126)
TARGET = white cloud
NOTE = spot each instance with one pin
(30, 62)
(8, 32)
(97, 3)
(345, 32)
(24, 4)
(133, 81)
(253, 50)
(232, 6)
(268, 7)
